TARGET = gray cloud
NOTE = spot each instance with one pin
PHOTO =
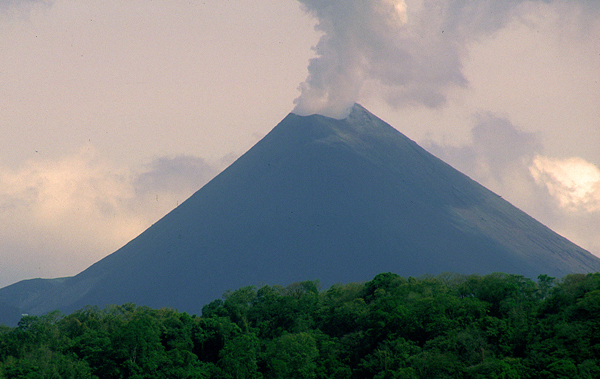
(175, 174)
(53, 211)
(497, 146)
(412, 53)
(563, 194)
(499, 157)
(166, 182)
(22, 5)
(501, 144)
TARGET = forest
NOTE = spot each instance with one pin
(447, 326)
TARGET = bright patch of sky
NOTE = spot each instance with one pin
(574, 182)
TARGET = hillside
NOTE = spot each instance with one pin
(334, 200)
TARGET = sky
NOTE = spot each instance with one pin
(114, 112)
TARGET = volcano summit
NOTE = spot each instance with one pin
(316, 198)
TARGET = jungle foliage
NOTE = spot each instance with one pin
(449, 326)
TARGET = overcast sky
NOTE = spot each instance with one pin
(114, 112)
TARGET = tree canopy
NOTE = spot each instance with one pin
(449, 326)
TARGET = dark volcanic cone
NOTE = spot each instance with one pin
(317, 198)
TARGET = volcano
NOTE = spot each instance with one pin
(316, 198)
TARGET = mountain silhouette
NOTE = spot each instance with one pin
(316, 198)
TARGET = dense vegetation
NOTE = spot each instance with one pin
(450, 326)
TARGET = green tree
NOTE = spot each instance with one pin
(239, 357)
(292, 356)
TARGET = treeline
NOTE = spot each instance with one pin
(449, 326)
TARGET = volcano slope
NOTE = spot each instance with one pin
(316, 198)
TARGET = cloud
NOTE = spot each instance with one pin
(570, 188)
(409, 54)
(497, 157)
(181, 174)
(21, 8)
(563, 194)
(573, 182)
(12, 3)
(355, 34)
(68, 213)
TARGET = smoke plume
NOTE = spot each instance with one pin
(356, 36)
(408, 56)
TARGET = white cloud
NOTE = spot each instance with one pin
(563, 194)
(407, 53)
(68, 213)
(573, 182)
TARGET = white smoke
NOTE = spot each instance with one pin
(407, 54)
(355, 34)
